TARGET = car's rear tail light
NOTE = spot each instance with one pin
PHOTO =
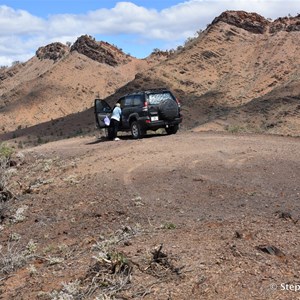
(145, 107)
(178, 103)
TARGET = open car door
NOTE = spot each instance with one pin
(102, 110)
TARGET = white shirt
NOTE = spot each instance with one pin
(116, 114)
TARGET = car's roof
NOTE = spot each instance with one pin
(155, 90)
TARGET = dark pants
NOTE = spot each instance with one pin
(115, 127)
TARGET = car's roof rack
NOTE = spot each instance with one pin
(156, 89)
(149, 90)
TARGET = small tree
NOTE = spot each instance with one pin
(155, 50)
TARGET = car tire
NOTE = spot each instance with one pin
(168, 109)
(136, 130)
(172, 129)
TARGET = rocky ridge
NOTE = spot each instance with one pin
(255, 23)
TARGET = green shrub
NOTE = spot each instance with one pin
(5, 151)
(168, 225)
(235, 128)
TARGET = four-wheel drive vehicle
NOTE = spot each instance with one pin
(142, 111)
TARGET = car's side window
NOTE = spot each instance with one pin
(138, 100)
(102, 106)
(128, 101)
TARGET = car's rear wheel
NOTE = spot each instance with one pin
(172, 129)
(136, 130)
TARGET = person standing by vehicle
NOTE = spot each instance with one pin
(115, 121)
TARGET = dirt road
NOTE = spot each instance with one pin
(193, 216)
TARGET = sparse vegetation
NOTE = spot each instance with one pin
(188, 41)
(32, 270)
(109, 274)
(19, 214)
(39, 140)
(5, 151)
(169, 225)
(70, 290)
(20, 145)
(17, 62)
(5, 193)
(235, 128)
(13, 257)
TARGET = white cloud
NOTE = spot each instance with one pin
(22, 33)
(19, 22)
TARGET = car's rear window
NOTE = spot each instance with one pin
(156, 98)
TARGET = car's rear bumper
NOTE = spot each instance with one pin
(147, 124)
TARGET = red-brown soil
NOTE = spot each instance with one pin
(215, 202)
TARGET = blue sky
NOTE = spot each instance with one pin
(46, 7)
(136, 26)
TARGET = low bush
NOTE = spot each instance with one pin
(5, 152)
(5, 156)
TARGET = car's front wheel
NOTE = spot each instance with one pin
(136, 130)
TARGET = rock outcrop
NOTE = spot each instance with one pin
(54, 51)
(255, 23)
(252, 22)
(285, 24)
(99, 51)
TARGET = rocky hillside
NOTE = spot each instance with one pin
(240, 67)
(238, 58)
(62, 80)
